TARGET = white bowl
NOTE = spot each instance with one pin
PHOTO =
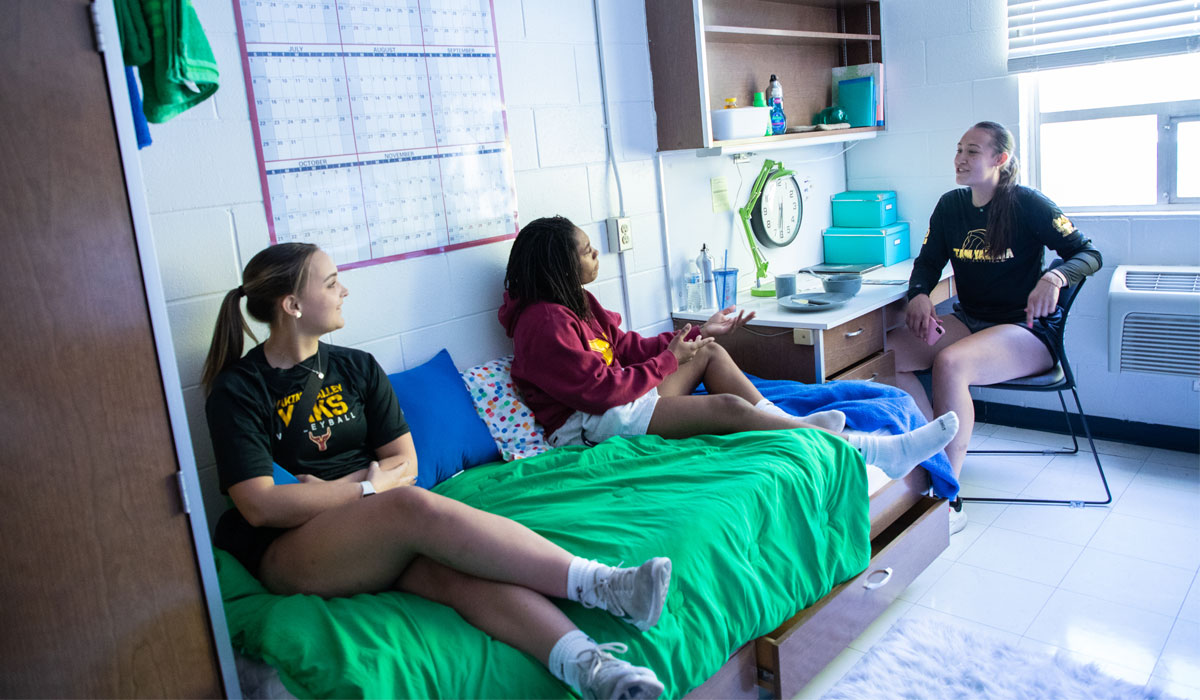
(740, 123)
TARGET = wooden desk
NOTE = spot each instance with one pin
(814, 347)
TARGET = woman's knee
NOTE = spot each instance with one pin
(731, 405)
(950, 365)
(411, 507)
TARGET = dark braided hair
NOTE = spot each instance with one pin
(544, 266)
(271, 274)
(1002, 216)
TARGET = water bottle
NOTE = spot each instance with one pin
(694, 287)
(778, 118)
(706, 264)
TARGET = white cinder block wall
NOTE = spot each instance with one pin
(946, 70)
(206, 201)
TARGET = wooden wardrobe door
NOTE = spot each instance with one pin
(100, 593)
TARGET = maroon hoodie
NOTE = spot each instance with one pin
(562, 364)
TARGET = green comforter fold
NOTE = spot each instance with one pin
(758, 525)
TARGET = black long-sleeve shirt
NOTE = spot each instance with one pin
(997, 288)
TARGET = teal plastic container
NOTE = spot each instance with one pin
(857, 97)
(886, 245)
(864, 208)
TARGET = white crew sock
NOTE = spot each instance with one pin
(896, 455)
(581, 580)
(833, 420)
(769, 406)
(830, 420)
(564, 653)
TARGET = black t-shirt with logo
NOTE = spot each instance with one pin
(997, 288)
(251, 403)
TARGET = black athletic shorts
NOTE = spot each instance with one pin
(1048, 330)
(245, 542)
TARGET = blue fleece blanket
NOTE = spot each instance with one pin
(868, 407)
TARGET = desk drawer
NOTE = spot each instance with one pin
(805, 644)
(853, 341)
(880, 367)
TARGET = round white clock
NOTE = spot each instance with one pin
(778, 212)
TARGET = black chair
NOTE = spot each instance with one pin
(1058, 378)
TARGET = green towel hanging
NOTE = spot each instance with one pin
(180, 70)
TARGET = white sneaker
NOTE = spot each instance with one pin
(604, 676)
(636, 595)
(958, 521)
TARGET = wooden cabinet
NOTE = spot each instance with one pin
(810, 355)
(703, 51)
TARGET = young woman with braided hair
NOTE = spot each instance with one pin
(587, 380)
(993, 232)
(355, 523)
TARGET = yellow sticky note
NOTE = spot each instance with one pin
(720, 195)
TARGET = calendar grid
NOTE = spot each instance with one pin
(379, 125)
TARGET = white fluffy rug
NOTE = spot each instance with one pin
(920, 659)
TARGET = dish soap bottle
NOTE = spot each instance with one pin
(693, 287)
(778, 118)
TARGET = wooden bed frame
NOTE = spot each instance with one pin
(909, 529)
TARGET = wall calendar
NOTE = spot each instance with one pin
(379, 125)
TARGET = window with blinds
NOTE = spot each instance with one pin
(1057, 33)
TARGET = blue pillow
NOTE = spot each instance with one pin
(447, 432)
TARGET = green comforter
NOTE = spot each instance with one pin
(758, 526)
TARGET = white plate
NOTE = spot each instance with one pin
(814, 301)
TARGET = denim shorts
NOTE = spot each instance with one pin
(590, 429)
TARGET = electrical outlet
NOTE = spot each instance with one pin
(620, 235)
(1196, 385)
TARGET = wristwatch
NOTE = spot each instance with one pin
(368, 489)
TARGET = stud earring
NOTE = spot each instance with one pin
(297, 314)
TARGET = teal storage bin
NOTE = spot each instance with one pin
(864, 208)
(886, 245)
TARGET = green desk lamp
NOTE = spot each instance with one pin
(772, 215)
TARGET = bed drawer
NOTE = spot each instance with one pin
(800, 648)
(853, 341)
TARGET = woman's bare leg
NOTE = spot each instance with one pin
(715, 414)
(520, 617)
(992, 355)
(366, 545)
(720, 374)
(913, 354)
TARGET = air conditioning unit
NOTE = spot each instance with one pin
(1154, 320)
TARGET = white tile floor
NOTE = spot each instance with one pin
(1116, 586)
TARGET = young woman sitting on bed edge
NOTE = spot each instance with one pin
(587, 380)
(355, 523)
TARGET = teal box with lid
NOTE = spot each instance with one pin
(864, 208)
(886, 245)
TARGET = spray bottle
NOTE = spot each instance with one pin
(705, 262)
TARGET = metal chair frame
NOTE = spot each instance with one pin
(1058, 378)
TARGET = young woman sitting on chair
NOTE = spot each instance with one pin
(993, 232)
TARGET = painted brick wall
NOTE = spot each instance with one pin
(945, 71)
(208, 218)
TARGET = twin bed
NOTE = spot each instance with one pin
(784, 549)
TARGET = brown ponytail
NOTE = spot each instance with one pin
(1002, 216)
(271, 274)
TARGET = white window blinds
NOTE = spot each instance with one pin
(1058, 33)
